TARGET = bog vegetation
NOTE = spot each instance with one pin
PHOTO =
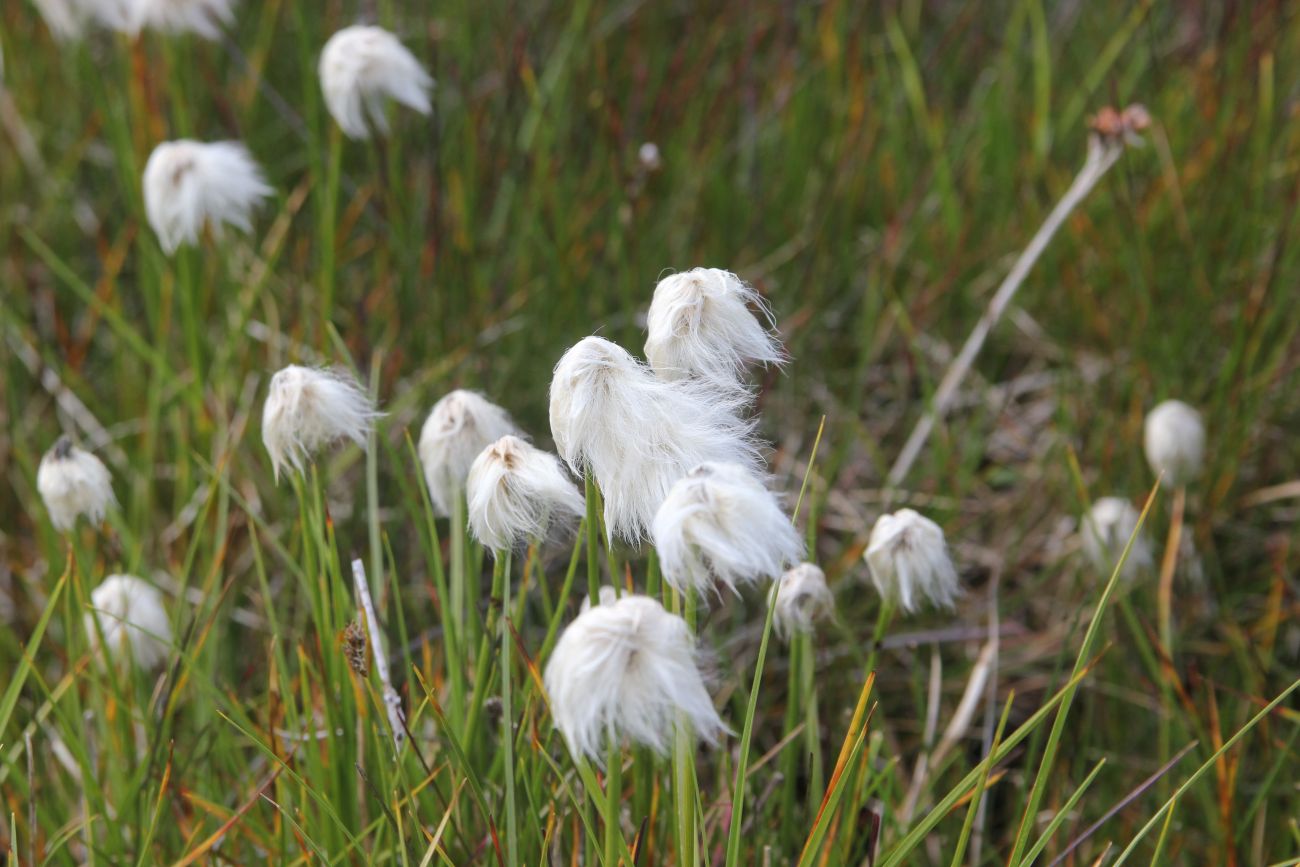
(949, 518)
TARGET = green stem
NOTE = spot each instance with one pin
(501, 577)
(613, 789)
(593, 527)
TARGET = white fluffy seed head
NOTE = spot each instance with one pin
(638, 434)
(362, 66)
(74, 482)
(68, 18)
(1175, 442)
(1104, 532)
(132, 619)
(802, 598)
(908, 559)
(459, 427)
(627, 670)
(309, 408)
(707, 323)
(719, 523)
(518, 493)
(189, 185)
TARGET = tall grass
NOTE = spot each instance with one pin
(872, 171)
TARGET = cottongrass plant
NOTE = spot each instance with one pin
(67, 19)
(128, 613)
(637, 434)
(517, 493)
(361, 67)
(459, 427)
(707, 323)
(802, 599)
(1174, 441)
(909, 562)
(310, 408)
(1104, 533)
(721, 527)
(191, 185)
(627, 669)
(73, 482)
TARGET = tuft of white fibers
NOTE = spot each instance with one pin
(720, 523)
(1104, 532)
(360, 67)
(73, 482)
(707, 323)
(201, 17)
(309, 408)
(802, 598)
(627, 670)
(1174, 438)
(517, 493)
(190, 184)
(637, 434)
(132, 619)
(459, 427)
(908, 559)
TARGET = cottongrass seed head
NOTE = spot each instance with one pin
(459, 427)
(73, 482)
(720, 527)
(132, 619)
(1174, 438)
(1104, 532)
(638, 434)
(802, 598)
(908, 559)
(707, 323)
(309, 408)
(627, 669)
(189, 185)
(67, 19)
(517, 493)
(360, 67)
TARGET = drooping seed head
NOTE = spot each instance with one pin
(132, 619)
(517, 494)
(459, 427)
(310, 408)
(802, 598)
(363, 66)
(1104, 532)
(73, 482)
(190, 185)
(908, 559)
(1174, 438)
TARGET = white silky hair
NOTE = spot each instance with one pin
(627, 669)
(308, 408)
(1174, 440)
(133, 621)
(518, 493)
(1104, 532)
(637, 434)
(67, 19)
(190, 184)
(720, 526)
(73, 482)
(360, 67)
(802, 598)
(707, 323)
(908, 560)
(459, 427)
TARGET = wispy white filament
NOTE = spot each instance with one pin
(1104, 532)
(189, 185)
(802, 598)
(627, 669)
(309, 408)
(68, 18)
(460, 426)
(720, 523)
(1174, 438)
(362, 66)
(517, 493)
(73, 482)
(908, 559)
(132, 619)
(707, 323)
(638, 434)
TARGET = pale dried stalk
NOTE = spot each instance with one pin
(1103, 151)
(392, 701)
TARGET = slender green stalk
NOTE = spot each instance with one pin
(613, 791)
(501, 578)
(592, 531)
